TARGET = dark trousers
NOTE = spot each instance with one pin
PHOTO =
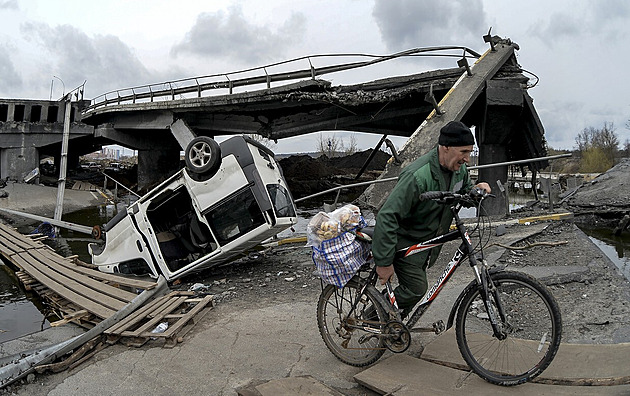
(412, 280)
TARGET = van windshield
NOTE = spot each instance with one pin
(235, 216)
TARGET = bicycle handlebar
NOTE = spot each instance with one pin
(433, 195)
(476, 194)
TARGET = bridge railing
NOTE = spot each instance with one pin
(195, 86)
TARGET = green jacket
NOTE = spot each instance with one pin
(404, 220)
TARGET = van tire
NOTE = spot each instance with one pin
(203, 156)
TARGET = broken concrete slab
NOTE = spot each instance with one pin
(301, 385)
(403, 375)
(573, 364)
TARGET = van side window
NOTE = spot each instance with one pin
(281, 200)
(235, 216)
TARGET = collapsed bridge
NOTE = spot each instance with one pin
(486, 91)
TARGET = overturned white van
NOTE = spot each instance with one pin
(228, 199)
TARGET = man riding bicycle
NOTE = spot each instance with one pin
(404, 219)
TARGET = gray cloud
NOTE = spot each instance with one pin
(104, 61)
(230, 35)
(597, 18)
(9, 77)
(610, 10)
(425, 23)
(9, 5)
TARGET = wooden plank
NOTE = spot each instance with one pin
(172, 341)
(90, 305)
(144, 329)
(17, 243)
(574, 363)
(17, 238)
(138, 315)
(73, 285)
(555, 216)
(111, 291)
(96, 274)
(74, 316)
(190, 314)
(8, 248)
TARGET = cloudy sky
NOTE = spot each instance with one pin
(577, 48)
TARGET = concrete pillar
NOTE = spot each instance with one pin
(155, 166)
(490, 154)
(15, 163)
(11, 112)
(27, 112)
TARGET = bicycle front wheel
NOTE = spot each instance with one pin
(531, 329)
(352, 335)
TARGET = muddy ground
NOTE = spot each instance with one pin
(593, 296)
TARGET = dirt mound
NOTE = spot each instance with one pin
(305, 167)
(306, 175)
(356, 160)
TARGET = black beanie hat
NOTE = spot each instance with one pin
(455, 133)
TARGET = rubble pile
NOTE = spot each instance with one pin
(607, 197)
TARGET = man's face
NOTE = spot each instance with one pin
(455, 156)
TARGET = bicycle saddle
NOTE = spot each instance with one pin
(365, 233)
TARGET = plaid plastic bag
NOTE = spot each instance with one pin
(339, 258)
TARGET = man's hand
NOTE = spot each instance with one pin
(384, 273)
(484, 186)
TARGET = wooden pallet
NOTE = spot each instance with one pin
(180, 309)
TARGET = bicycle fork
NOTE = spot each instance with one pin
(491, 301)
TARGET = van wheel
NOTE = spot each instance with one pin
(203, 156)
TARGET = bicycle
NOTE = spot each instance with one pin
(507, 324)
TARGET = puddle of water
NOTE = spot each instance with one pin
(616, 248)
(19, 312)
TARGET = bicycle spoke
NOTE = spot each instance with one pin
(530, 321)
(346, 327)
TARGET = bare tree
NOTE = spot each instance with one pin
(352, 146)
(583, 139)
(329, 145)
(270, 144)
(597, 147)
(609, 142)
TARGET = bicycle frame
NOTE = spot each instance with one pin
(464, 250)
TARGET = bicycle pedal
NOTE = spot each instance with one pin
(438, 327)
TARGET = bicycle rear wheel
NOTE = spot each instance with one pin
(354, 338)
(531, 321)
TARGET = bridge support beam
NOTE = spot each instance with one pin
(15, 163)
(182, 133)
(491, 154)
(155, 166)
(504, 106)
